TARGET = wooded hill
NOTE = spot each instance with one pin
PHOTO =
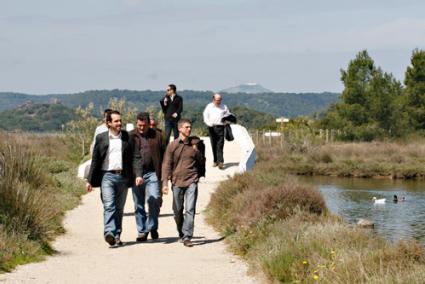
(277, 104)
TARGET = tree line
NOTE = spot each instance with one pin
(376, 105)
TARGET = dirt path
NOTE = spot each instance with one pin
(84, 257)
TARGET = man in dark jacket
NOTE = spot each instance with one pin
(148, 142)
(172, 107)
(113, 167)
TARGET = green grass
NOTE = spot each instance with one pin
(37, 186)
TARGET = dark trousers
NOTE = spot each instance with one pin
(170, 126)
(217, 142)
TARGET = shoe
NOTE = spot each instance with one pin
(188, 243)
(110, 239)
(221, 166)
(215, 165)
(154, 235)
(142, 237)
(118, 241)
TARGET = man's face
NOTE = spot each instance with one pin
(217, 100)
(185, 129)
(142, 126)
(115, 123)
(169, 91)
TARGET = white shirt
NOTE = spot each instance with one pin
(214, 114)
(100, 129)
(113, 159)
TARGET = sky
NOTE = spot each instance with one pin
(57, 46)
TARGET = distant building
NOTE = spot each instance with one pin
(282, 120)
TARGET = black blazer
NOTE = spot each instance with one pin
(130, 159)
(175, 106)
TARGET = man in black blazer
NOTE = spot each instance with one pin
(113, 167)
(172, 107)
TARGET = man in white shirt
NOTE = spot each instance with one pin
(213, 115)
(114, 165)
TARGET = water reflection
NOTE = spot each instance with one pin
(352, 199)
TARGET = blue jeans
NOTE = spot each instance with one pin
(149, 190)
(170, 126)
(184, 198)
(113, 192)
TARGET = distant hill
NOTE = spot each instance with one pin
(249, 88)
(277, 104)
(36, 117)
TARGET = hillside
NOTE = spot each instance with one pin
(36, 117)
(278, 104)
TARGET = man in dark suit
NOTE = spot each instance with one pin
(172, 107)
(149, 143)
(113, 167)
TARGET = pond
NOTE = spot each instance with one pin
(352, 199)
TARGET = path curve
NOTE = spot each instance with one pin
(84, 257)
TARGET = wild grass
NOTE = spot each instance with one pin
(285, 232)
(36, 187)
(393, 160)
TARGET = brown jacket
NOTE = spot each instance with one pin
(156, 147)
(180, 163)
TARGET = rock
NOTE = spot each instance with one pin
(364, 223)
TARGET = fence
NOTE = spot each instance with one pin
(274, 138)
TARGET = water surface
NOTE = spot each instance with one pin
(351, 198)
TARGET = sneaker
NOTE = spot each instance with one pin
(215, 165)
(154, 235)
(221, 166)
(110, 239)
(142, 237)
(188, 243)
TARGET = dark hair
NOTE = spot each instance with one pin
(109, 115)
(173, 87)
(105, 112)
(143, 116)
(183, 121)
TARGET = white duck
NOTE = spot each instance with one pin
(378, 201)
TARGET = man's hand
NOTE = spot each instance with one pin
(89, 187)
(174, 115)
(165, 190)
(195, 147)
(165, 100)
(139, 181)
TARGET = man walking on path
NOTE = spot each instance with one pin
(148, 142)
(113, 163)
(181, 165)
(213, 116)
(172, 107)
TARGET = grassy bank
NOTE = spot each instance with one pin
(376, 159)
(37, 186)
(285, 232)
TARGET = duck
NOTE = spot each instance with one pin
(395, 198)
(378, 201)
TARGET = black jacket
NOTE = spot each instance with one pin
(156, 147)
(130, 159)
(175, 106)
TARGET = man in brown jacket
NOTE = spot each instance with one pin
(149, 143)
(181, 165)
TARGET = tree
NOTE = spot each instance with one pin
(371, 102)
(79, 132)
(415, 90)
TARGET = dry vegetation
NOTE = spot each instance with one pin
(285, 232)
(37, 185)
(393, 160)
